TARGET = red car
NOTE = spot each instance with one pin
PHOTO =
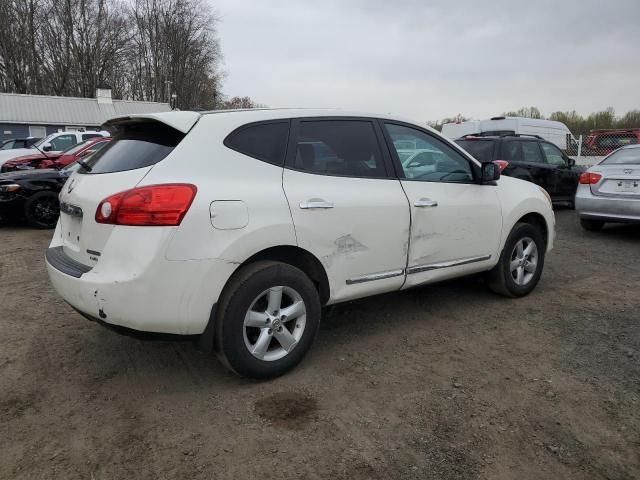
(57, 161)
(603, 142)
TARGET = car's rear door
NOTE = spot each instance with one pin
(348, 208)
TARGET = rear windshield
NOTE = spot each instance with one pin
(481, 150)
(626, 156)
(135, 145)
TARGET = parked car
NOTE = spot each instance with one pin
(603, 142)
(237, 227)
(13, 143)
(54, 143)
(56, 160)
(529, 158)
(610, 190)
(550, 130)
(32, 195)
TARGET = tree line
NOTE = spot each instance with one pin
(577, 124)
(151, 50)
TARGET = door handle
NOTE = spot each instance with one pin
(316, 203)
(426, 203)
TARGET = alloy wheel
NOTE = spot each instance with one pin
(524, 261)
(274, 323)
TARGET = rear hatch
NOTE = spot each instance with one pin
(617, 181)
(139, 143)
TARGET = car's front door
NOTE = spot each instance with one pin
(564, 177)
(348, 208)
(456, 223)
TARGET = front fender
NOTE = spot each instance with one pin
(520, 198)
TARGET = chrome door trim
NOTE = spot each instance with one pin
(375, 276)
(451, 263)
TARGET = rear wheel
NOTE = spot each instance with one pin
(521, 263)
(42, 209)
(267, 319)
(591, 225)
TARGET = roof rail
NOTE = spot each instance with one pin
(520, 135)
(501, 135)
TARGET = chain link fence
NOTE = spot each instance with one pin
(591, 148)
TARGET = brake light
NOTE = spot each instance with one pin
(590, 178)
(152, 205)
(502, 164)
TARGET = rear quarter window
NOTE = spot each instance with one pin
(135, 145)
(264, 141)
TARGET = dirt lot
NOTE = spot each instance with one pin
(444, 382)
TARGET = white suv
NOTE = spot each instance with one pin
(237, 227)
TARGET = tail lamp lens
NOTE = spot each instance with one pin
(590, 178)
(502, 164)
(152, 205)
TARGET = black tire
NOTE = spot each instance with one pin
(42, 209)
(243, 288)
(501, 280)
(591, 225)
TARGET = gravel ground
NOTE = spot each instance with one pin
(442, 382)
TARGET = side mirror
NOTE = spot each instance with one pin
(571, 162)
(47, 147)
(490, 172)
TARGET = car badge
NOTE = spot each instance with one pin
(628, 171)
(71, 186)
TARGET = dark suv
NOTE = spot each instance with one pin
(531, 158)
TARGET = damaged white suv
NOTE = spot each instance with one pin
(237, 227)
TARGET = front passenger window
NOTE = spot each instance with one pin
(63, 142)
(425, 158)
(553, 154)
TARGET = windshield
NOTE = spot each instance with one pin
(72, 167)
(75, 148)
(481, 150)
(43, 141)
(624, 156)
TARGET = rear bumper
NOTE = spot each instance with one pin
(608, 209)
(163, 296)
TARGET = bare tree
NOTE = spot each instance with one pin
(145, 49)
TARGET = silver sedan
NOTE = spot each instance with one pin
(610, 190)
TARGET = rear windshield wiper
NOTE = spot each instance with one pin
(84, 165)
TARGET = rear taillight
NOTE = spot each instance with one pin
(502, 164)
(590, 178)
(152, 205)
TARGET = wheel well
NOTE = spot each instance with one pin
(299, 258)
(537, 220)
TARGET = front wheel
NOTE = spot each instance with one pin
(520, 265)
(42, 209)
(268, 317)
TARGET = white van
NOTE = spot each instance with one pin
(552, 131)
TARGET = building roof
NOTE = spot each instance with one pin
(49, 110)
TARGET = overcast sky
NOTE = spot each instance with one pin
(430, 59)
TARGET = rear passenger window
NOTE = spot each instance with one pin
(265, 141)
(339, 147)
(512, 151)
(531, 152)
